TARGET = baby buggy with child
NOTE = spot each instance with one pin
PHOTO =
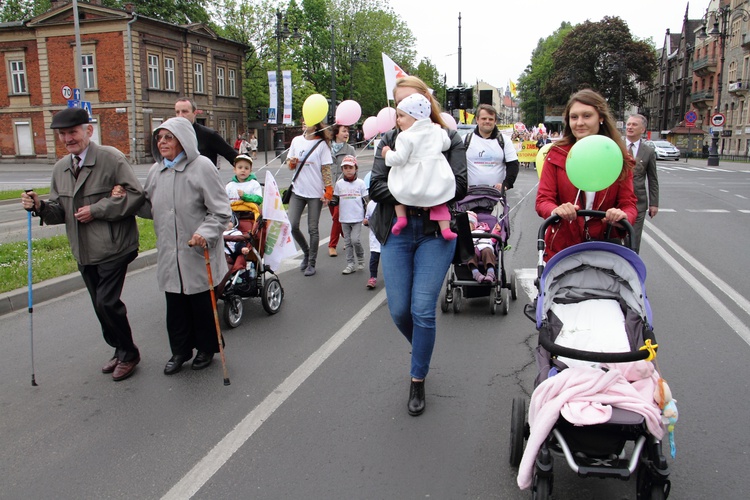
(244, 248)
(478, 269)
(598, 400)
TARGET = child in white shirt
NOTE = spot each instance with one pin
(350, 192)
(244, 191)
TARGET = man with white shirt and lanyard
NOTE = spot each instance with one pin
(490, 159)
(644, 171)
(101, 229)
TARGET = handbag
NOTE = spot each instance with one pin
(287, 196)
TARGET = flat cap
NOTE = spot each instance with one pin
(70, 117)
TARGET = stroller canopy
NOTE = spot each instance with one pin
(594, 270)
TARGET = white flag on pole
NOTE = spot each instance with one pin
(273, 98)
(392, 72)
(279, 241)
(287, 79)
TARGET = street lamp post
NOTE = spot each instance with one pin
(333, 78)
(722, 14)
(355, 58)
(282, 32)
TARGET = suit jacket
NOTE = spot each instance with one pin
(645, 169)
(211, 144)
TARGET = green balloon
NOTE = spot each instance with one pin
(594, 163)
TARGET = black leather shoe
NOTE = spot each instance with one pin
(202, 360)
(416, 398)
(175, 363)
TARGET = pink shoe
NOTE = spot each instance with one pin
(399, 225)
(371, 283)
(490, 277)
(478, 277)
(448, 234)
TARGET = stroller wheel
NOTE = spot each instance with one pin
(505, 298)
(542, 488)
(493, 300)
(233, 311)
(272, 295)
(513, 286)
(517, 424)
(444, 305)
(457, 300)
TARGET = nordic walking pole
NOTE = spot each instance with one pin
(216, 315)
(31, 300)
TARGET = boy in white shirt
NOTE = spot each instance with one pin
(244, 191)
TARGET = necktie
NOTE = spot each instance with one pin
(630, 150)
(76, 165)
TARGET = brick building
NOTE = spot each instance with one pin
(133, 68)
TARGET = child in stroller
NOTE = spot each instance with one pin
(467, 277)
(596, 386)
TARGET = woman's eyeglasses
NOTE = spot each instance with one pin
(164, 137)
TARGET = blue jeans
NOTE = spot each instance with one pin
(414, 266)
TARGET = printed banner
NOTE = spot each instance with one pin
(272, 97)
(287, 79)
(526, 150)
(279, 241)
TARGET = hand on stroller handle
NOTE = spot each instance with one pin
(554, 219)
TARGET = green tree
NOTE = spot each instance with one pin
(604, 56)
(538, 73)
(21, 10)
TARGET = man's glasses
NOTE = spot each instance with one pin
(164, 137)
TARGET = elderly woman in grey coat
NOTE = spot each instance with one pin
(190, 208)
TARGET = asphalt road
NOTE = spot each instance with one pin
(316, 408)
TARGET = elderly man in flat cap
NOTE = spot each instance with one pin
(102, 231)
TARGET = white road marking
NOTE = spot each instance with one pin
(670, 210)
(707, 211)
(194, 480)
(740, 196)
(744, 211)
(712, 300)
(723, 191)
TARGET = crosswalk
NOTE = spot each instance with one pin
(681, 168)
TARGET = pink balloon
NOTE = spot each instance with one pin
(370, 128)
(348, 113)
(450, 122)
(386, 119)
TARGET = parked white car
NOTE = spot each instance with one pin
(665, 150)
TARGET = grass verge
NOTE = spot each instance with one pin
(15, 194)
(51, 257)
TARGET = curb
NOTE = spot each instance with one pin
(17, 300)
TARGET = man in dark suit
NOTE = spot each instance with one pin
(645, 172)
(210, 143)
(102, 231)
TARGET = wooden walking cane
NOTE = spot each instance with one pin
(216, 315)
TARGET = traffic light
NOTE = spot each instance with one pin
(466, 98)
(451, 98)
(258, 114)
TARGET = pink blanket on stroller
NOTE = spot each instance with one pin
(585, 396)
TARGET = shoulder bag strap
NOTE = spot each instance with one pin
(304, 160)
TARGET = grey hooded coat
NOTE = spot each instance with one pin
(185, 199)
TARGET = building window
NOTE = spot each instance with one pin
(153, 71)
(232, 84)
(89, 71)
(18, 77)
(199, 78)
(169, 81)
(223, 129)
(220, 88)
(233, 129)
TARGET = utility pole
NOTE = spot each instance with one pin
(459, 50)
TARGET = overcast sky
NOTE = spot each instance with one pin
(497, 36)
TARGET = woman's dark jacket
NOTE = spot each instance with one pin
(382, 218)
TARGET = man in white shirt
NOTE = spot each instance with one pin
(645, 170)
(490, 159)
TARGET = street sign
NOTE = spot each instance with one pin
(691, 117)
(716, 129)
(67, 92)
(717, 119)
(690, 124)
(74, 103)
(77, 94)
(87, 106)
